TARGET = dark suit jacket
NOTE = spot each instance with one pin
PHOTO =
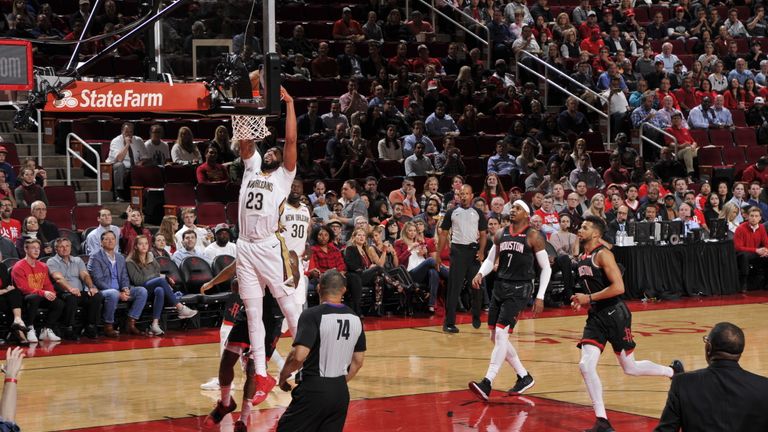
(304, 125)
(613, 228)
(101, 271)
(345, 64)
(721, 398)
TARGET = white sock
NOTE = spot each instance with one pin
(290, 311)
(590, 355)
(254, 311)
(498, 353)
(223, 336)
(226, 394)
(245, 413)
(278, 359)
(514, 360)
(642, 367)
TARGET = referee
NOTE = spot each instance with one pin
(329, 348)
(468, 231)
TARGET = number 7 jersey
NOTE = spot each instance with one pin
(295, 227)
(261, 197)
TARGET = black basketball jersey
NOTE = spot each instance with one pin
(593, 278)
(515, 256)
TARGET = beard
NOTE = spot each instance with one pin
(269, 166)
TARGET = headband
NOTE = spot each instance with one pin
(522, 204)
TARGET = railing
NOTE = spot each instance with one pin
(549, 82)
(486, 42)
(71, 153)
(652, 142)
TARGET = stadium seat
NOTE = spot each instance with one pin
(219, 264)
(709, 157)
(147, 176)
(389, 168)
(745, 136)
(85, 216)
(739, 118)
(61, 216)
(211, 213)
(195, 271)
(180, 174)
(701, 136)
(61, 196)
(10, 262)
(754, 153)
(180, 194)
(21, 213)
(721, 137)
(210, 193)
(169, 268)
(734, 156)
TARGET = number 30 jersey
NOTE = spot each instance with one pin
(295, 224)
(261, 196)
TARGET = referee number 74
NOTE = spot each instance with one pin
(343, 329)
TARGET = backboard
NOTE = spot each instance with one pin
(16, 65)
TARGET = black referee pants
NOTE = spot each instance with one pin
(317, 404)
(464, 267)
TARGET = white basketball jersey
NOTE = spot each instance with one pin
(261, 196)
(295, 223)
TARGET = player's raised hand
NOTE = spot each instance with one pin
(477, 280)
(285, 96)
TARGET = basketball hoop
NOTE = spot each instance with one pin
(249, 127)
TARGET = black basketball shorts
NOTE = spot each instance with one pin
(508, 300)
(611, 324)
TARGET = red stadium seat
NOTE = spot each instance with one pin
(734, 156)
(61, 216)
(21, 213)
(211, 213)
(709, 157)
(701, 136)
(754, 153)
(61, 196)
(180, 174)
(739, 118)
(232, 211)
(745, 136)
(210, 193)
(147, 176)
(85, 216)
(180, 194)
(721, 137)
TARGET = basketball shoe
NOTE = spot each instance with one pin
(677, 367)
(240, 426)
(264, 385)
(481, 389)
(522, 384)
(601, 425)
(219, 411)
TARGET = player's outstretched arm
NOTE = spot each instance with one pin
(537, 244)
(290, 153)
(225, 274)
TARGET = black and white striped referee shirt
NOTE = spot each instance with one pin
(333, 333)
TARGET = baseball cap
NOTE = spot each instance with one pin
(763, 160)
(432, 85)
(330, 193)
(3, 149)
(680, 9)
(346, 10)
(591, 13)
(421, 47)
(757, 101)
(333, 222)
(669, 195)
(221, 227)
(516, 189)
(84, 2)
(629, 12)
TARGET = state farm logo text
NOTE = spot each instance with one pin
(95, 99)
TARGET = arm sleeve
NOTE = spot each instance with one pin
(546, 273)
(488, 263)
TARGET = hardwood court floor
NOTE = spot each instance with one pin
(414, 378)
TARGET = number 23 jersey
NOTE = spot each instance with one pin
(261, 196)
(295, 223)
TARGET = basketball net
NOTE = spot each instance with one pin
(249, 127)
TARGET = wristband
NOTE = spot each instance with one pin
(590, 298)
(11, 380)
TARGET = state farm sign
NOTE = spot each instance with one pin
(84, 96)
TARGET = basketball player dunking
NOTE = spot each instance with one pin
(609, 319)
(261, 252)
(516, 247)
